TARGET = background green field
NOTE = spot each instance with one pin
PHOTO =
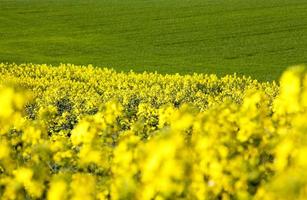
(254, 37)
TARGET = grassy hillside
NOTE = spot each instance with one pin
(253, 37)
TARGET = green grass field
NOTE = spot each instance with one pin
(253, 37)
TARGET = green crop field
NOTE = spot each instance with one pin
(253, 37)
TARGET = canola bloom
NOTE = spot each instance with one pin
(75, 132)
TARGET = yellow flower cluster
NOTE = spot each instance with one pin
(74, 132)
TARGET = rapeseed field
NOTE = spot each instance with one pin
(79, 132)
